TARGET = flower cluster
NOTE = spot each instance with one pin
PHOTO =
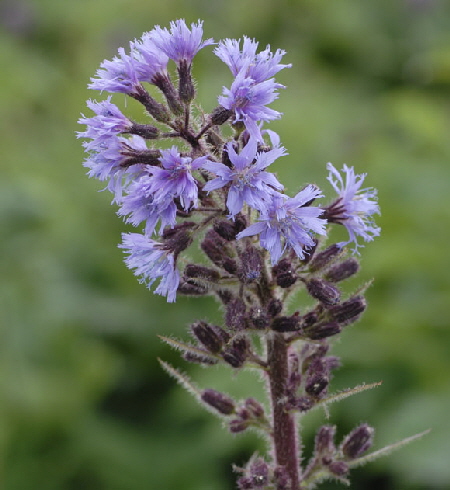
(204, 174)
(216, 188)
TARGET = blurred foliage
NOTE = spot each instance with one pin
(83, 401)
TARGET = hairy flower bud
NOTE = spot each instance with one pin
(357, 442)
(323, 291)
(194, 271)
(236, 352)
(343, 270)
(338, 468)
(274, 307)
(284, 273)
(250, 266)
(190, 289)
(323, 258)
(324, 442)
(322, 330)
(235, 314)
(218, 251)
(286, 323)
(349, 311)
(220, 115)
(207, 335)
(219, 401)
(317, 384)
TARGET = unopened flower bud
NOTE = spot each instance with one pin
(274, 307)
(317, 384)
(284, 273)
(324, 442)
(235, 314)
(323, 291)
(219, 401)
(207, 335)
(322, 330)
(323, 258)
(250, 266)
(255, 408)
(220, 115)
(190, 289)
(218, 251)
(343, 270)
(286, 323)
(147, 131)
(303, 403)
(236, 352)
(201, 272)
(186, 89)
(338, 468)
(225, 229)
(259, 318)
(358, 441)
(349, 311)
(258, 471)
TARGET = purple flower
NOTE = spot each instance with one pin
(149, 61)
(152, 261)
(354, 207)
(108, 122)
(180, 43)
(248, 100)
(248, 181)
(258, 67)
(118, 75)
(106, 158)
(288, 222)
(142, 204)
(175, 178)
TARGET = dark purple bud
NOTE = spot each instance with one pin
(236, 352)
(259, 318)
(198, 359)
(235, 314)
(219, 401)
(216, 248)
(164, 83)
(220, 115)
(237, 425)
(317, 384)
(285, 274)
(190, 289)
(245, 482)
(338, 468)
(225, 229)
(225, 295)
(322, 330)
(258, 471)
(229, 266)
(207, 335)
(343, 270)
(172, 232)
(323, 291)
(322, 259)
(324, 442)
(201, 272)
(186, 89)
(349, 311)
(157, 110)
(254, 408)
(358, 441)
(304, 403)
(274, 307)
(286, 323)
(250, 266)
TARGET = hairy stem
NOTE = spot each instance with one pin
(285, 430)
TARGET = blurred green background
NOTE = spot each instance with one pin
(84, 403)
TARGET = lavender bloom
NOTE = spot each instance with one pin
(248, 100)
(106, 158)
(258, 67)
(354, 207)
(175, 178)
(108, 122)
(288, 222)
(149, 61)
(142, 205)
(152, 261)
(249, 182)
(118, 75)
(180, 43)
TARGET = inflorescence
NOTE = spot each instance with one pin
(214, 187)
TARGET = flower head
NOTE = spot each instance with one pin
(152, 261)
(258, 67)
(118, 75)
(180, 43)
(288, 222)
(354, 207)
(247, 179)
(149, 61)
